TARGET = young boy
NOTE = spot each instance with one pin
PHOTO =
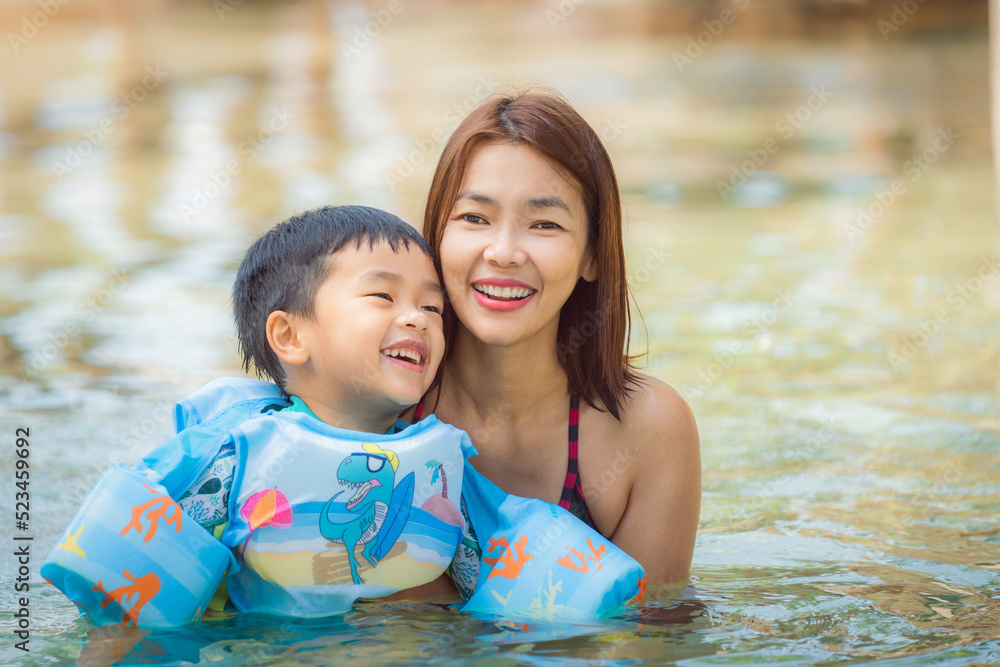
(341, 308)
(344, 316)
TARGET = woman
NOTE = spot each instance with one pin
(525, 214)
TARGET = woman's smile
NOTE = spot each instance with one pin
(502, 294)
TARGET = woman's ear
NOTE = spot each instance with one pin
(284, 337)
(589, 272)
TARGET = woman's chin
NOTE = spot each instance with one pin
(500, 335)
(507, 331)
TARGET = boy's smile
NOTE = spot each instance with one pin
(376, 337)
(409, 353)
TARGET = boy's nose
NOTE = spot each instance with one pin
(415, 318)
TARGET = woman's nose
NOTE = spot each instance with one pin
(505, 248)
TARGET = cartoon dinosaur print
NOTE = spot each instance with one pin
(372, 475)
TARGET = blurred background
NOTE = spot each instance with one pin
(812, 246)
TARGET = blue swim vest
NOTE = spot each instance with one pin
(318, 516)
(523, 557)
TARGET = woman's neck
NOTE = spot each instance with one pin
(516, 382)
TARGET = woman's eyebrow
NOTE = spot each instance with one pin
(532, 203)
(547, 202)
(478, 198)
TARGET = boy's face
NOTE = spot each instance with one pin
(376, 338)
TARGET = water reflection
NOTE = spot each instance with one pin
(197, 195)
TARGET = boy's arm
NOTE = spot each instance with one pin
(441, 591)
(178, 462)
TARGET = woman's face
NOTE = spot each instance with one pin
(514, 245)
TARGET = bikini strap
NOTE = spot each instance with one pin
(420, 409)
(573, 467)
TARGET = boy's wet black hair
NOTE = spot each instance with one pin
(284, 269)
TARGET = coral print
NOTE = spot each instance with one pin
(157, 508)
(513, 557)
(638, 597)
(145, 587)
(584, 566)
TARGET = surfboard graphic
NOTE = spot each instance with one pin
(395, 519)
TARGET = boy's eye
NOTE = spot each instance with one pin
(382, 295)
(432, 309)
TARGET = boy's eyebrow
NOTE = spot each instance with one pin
(433, 286)
(392, 277)
(533, 203)
(381, 274)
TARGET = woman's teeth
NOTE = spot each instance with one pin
(409, 355)
(509, 293)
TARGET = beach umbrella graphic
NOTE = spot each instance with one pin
(266, 508)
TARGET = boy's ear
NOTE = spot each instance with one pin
(283, 335)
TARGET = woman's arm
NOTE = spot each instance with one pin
(661, 518)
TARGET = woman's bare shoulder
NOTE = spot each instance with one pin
(656, 427)
(658, 420)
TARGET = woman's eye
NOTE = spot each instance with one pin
(545, 224)
(472, 218)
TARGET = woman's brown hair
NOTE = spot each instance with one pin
(592, 341)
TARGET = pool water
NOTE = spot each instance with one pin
(812, 244)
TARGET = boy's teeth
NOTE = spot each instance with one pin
(497, 292)
(409, 355)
